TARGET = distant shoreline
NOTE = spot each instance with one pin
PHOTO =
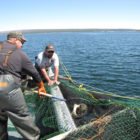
(69, 30)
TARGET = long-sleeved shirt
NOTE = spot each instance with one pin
(18, 62)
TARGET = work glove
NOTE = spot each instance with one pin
(41, 89)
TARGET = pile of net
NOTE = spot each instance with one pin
(97, 116)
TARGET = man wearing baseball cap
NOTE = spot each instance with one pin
(13, 61)
(17, 35)
(43, 64)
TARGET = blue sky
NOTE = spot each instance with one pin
(63, 14)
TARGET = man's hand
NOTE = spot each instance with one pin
(41, 88)
(56, 82)
(50, 83)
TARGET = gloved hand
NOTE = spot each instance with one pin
(41, 89)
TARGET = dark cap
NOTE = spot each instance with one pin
(15, 34)
(50, 47)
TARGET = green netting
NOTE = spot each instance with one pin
(44, 114)
(96, 116)
(122, 125)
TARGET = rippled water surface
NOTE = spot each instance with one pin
(105, 60)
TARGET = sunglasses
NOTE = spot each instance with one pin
(50, 51)
(22, 42)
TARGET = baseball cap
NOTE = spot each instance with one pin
(50, 47)
(15, 34)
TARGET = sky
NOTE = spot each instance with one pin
(69, 14)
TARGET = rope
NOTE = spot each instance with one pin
(84, 89)
(100, 125)
(108, 93)
(65, 70)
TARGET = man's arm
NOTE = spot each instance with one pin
(43, 70)
(28, 67)
(56, 70)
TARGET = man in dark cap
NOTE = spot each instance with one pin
(13, 61)
(17, 35)
(43, 64)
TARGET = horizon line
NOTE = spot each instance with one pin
(67, 29)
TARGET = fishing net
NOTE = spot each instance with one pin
(96, 116)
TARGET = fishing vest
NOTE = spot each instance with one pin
(4, 56)
(7, 82)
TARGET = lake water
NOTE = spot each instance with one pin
(106, 60)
